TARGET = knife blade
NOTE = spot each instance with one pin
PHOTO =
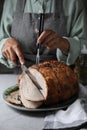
(26, 70)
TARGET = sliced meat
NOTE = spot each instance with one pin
(30, 104)
(29, 90)
(14, 98)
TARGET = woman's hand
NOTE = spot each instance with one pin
(11, 50)
(52, 40)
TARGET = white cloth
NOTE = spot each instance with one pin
(73, 118)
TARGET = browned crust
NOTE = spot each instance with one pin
(62, 82)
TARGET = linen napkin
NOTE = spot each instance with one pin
(73, 118)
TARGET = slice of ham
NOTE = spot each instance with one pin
(29, 104)
(29, 90)
(14, 98)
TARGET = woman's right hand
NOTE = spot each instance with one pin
(11, 50)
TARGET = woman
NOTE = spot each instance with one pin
(64, 31)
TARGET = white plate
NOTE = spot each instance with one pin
(42, 108)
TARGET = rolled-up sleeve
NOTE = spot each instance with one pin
(5, 28)
(76, 30)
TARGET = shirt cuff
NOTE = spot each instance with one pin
(73, 53)
(3, 60)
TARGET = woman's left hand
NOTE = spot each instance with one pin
(52, 40)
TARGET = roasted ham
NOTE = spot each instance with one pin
(57, 80)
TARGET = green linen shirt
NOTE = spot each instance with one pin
(76, 25)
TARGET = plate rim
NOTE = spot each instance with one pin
(62, 105)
